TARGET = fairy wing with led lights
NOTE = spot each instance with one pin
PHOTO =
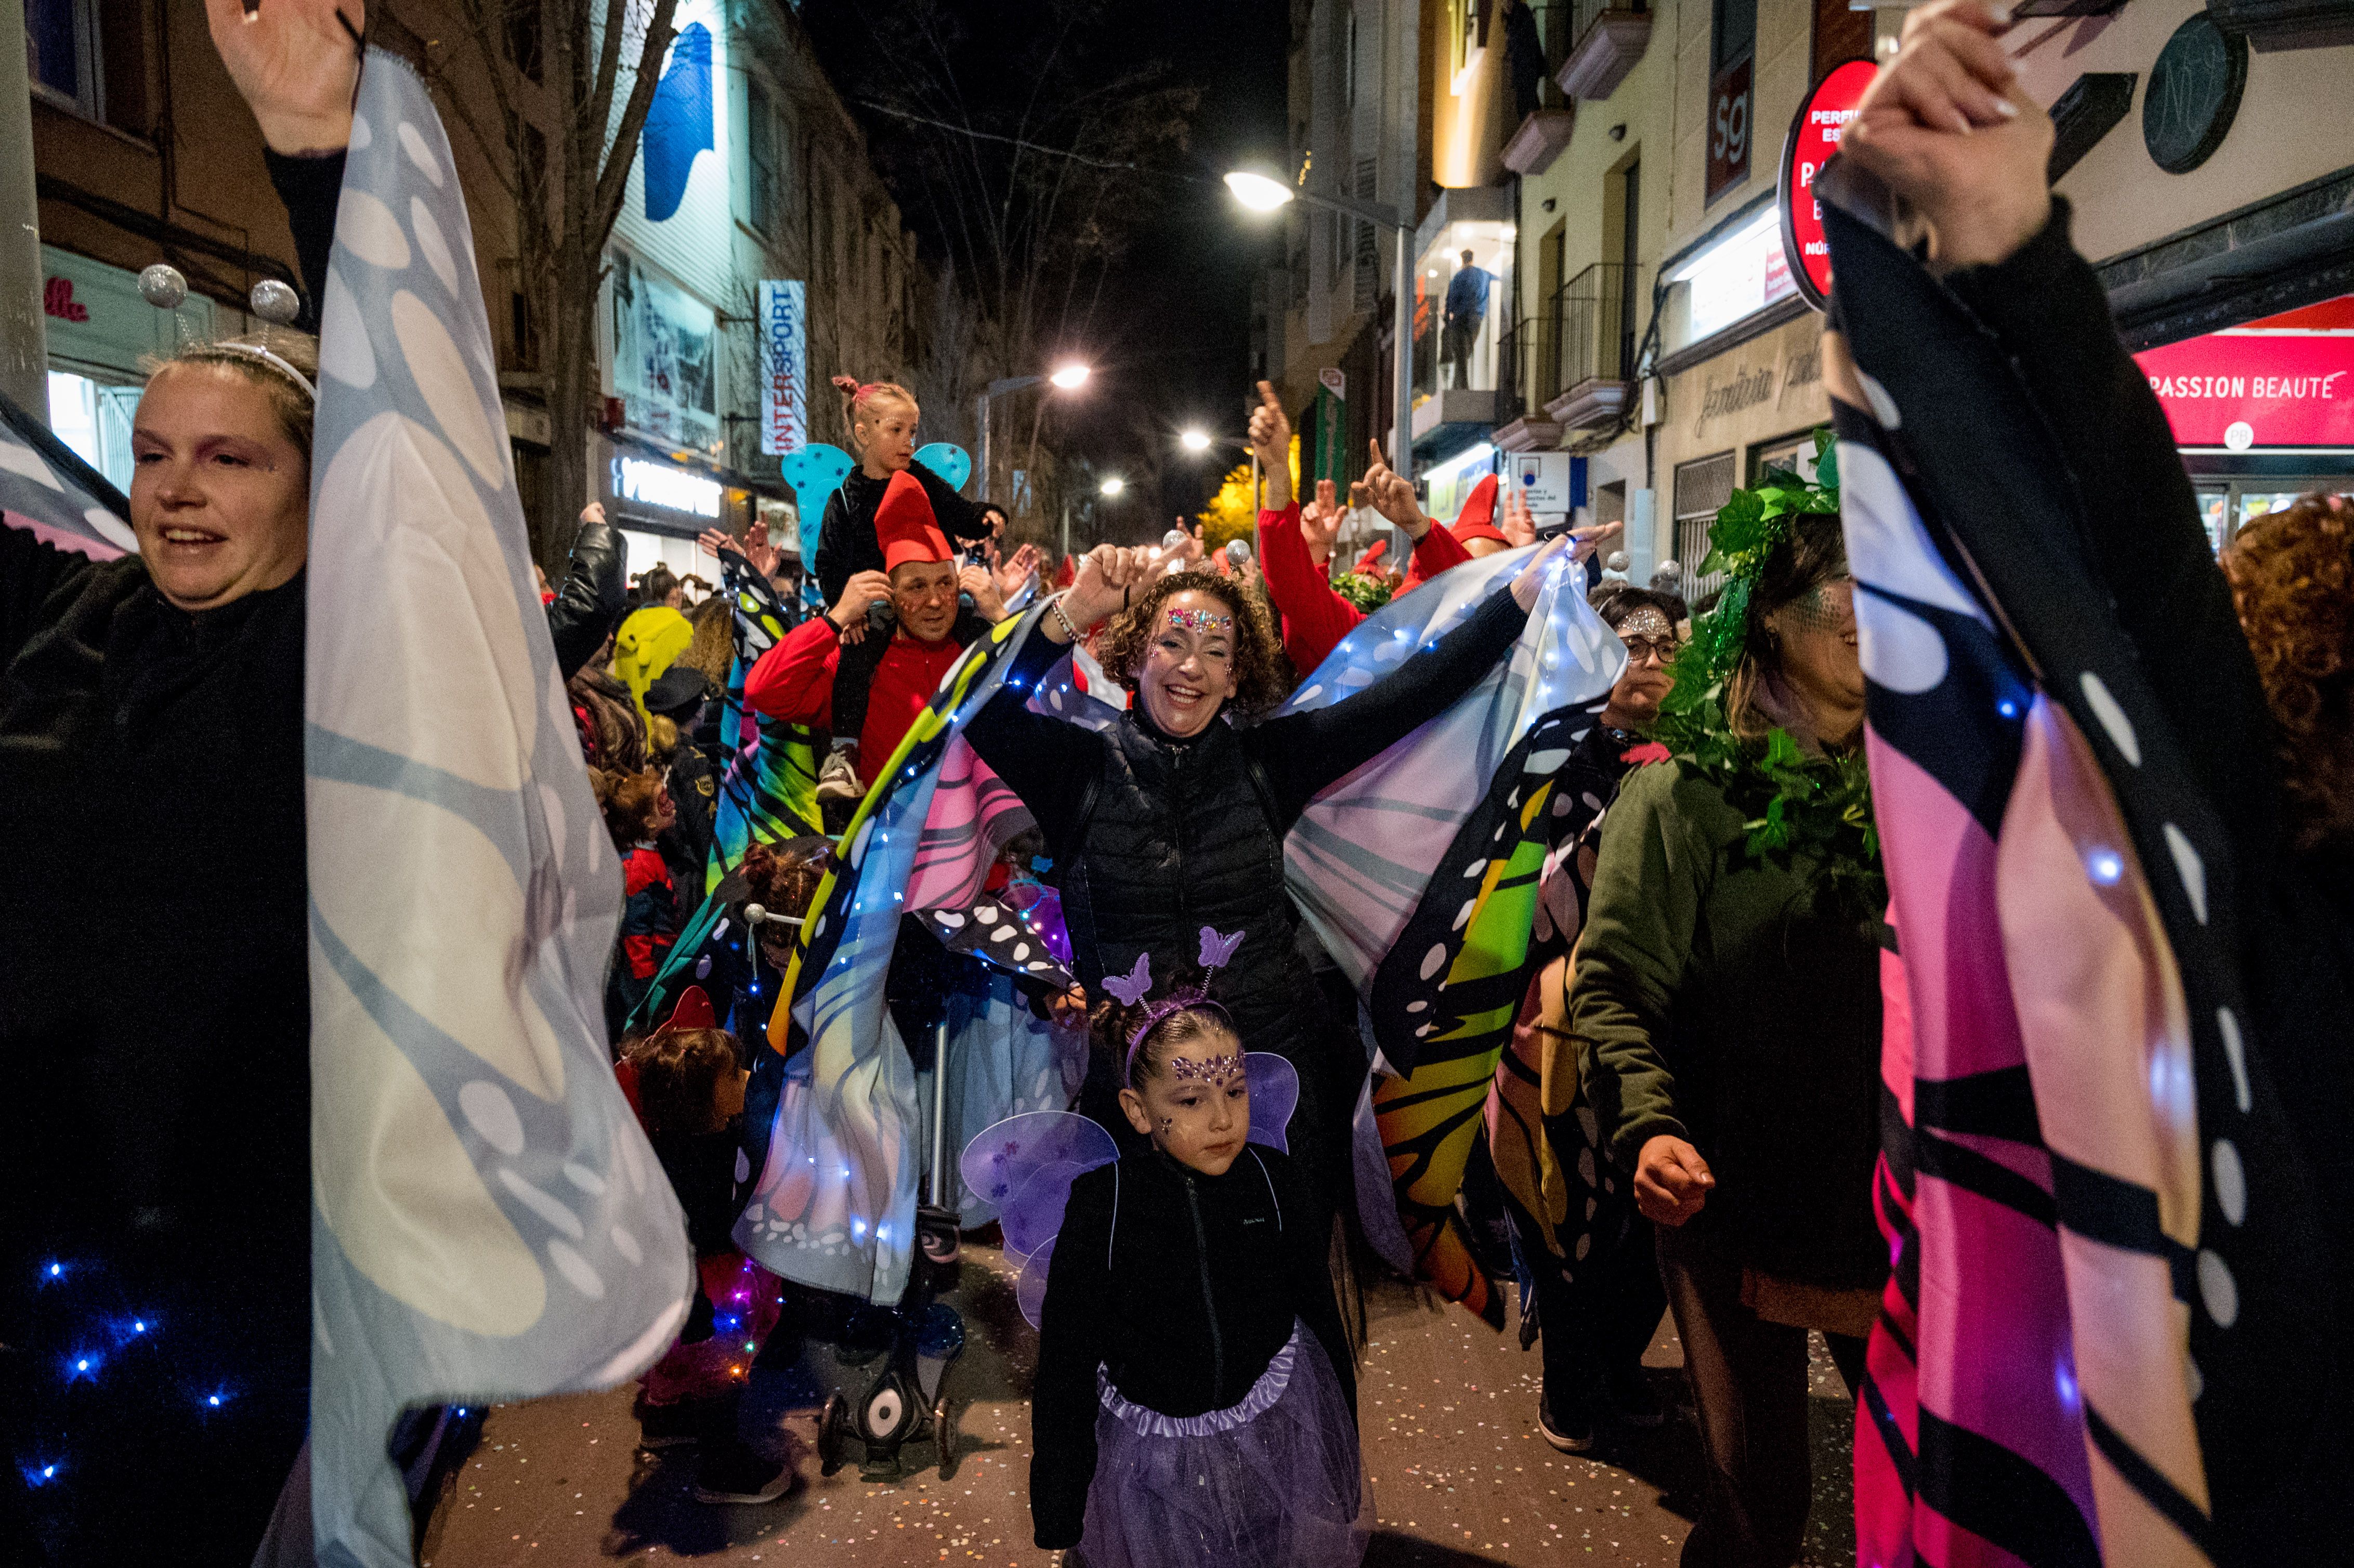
(489, 1222)
(2074, 1336)
(769, 792)
(1420, 871)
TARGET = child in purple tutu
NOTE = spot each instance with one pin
(1195, 1403)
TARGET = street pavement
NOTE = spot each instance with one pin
(1446, 1406)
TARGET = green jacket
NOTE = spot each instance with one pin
(1726, 1003)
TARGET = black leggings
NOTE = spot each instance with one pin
(1749, 1380)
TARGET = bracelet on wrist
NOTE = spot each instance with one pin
(1056, 604)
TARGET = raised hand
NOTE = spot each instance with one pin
(1946, 127)
(1519, 524)
(1392, 495)
(1013, 573)
(976, 581)
(1583, 542)
(1532, 576)
(1320, 522)
(1270, 438)
(297, 64)
(1106, 575)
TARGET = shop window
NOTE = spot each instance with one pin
(94, 417)
(1795, 452)
(1701, 488)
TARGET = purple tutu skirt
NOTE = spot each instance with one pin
(1275, 1482)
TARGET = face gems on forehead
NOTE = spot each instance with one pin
(1217, 1071)
(1648, 624)
(1200, 620)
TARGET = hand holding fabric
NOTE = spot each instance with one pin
(296, 63)
(1948, 127)
(1532, 576)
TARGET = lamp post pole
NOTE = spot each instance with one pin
(996, 389)
(1402, 316)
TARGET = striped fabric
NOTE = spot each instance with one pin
(768, 793)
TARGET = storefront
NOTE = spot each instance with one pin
(103, 337)
(662, 500)
(2262, 413)
(1741, 385)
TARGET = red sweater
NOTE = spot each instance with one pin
(794, 682)
(1315, 616)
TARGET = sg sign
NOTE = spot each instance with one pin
(1728, 128)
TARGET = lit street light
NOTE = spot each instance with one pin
(1114, 485)
(1262, 192)
(1067, 377)
(1070, 377)
(1195, 441)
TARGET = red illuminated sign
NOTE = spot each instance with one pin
(2287, 381)
(1814, 137)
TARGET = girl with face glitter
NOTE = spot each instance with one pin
(1195, 1401)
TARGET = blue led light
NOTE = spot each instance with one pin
(2007, 708)
(139, 1326)
(2104, 865)
(56, 1271)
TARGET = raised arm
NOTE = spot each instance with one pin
(1303, 752)
(794, 680)
(595, 591)
(1045, 761)
(297, 64)
(2001, 239)
(1315, 616)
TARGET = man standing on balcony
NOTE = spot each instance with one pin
(1466, 307)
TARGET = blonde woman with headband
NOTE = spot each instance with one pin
(154, 1013)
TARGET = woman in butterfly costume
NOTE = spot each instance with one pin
(1175, 814)
(1195, 1401)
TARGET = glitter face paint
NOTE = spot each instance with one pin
(1826, 607)
(1217, 1071)
(1200, 620)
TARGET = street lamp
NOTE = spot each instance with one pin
(1112, 486)
(1067, 377)
(1262, 192)
(1195, 442)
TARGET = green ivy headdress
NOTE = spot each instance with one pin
(1792, 803)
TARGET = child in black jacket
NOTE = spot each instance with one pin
(882, 417)
(1196, 1401)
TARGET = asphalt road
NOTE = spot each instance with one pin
(1448, 1409)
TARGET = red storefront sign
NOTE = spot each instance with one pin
(2287, 381)
(1814, 137)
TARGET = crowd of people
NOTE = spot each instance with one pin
(1686, 1119)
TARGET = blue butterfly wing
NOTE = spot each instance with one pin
(948, 461)
(815, 473)
(1274, 1095)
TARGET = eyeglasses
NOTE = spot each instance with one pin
(1659, 649)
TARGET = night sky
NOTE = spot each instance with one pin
(1172, 334)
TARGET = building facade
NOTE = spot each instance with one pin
(751, 171)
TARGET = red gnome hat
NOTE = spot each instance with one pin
(1478, 518)
(1369, 563)
(905, 525)
(693, 1011)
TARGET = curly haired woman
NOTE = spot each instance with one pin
(2292, 577)
(1174, 817)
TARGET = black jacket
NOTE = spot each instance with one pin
(1182, 1286)
(846, 543)
(589, 604)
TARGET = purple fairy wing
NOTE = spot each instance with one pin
(1274, 1095)
(1130, 987)
(1216, 950)
(1030, 1289)
(1024, 1166)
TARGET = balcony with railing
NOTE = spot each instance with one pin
(1583, 358)
(1607, 42)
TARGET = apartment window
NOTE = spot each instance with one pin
(760, 155)
(1731, 49)
(1732, 33)
(61, 53)
(1701, 490)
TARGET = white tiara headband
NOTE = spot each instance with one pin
(275, 362)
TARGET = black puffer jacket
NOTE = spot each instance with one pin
(1182, 1286)
(1157, 836)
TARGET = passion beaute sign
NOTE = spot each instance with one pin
(1814, 136)
(2285, 381)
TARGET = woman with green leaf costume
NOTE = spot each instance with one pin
(1727, 1003)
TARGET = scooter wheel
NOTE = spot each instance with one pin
(832, 1430)
(944, 1437)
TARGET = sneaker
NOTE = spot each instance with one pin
(732, 1473)
(1568, 1426)
(838, 779)
(1633, 1402)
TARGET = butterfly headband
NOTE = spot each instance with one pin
(1130, 987)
